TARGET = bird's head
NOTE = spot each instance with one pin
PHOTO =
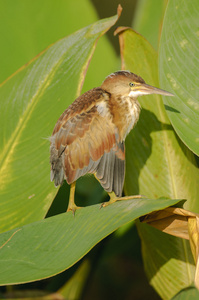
(125, 83)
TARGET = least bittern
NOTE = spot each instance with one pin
(89, 136)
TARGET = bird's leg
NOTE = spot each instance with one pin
(71, 204)
(114, 198)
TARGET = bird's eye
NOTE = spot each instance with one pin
(131, 84)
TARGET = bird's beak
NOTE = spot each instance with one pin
(146, 89)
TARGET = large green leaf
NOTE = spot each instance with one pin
(168, 261)
(179, 68)
(29, 27)
(158, 164)
(190, 293)
(31, 102)
(148, 19)
(47, 247)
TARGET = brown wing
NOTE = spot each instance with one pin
(87, 141)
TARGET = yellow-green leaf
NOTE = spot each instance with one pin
(158, 164)
(179, 68)
(31, 101)
(45, 248)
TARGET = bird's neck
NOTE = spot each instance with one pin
(125, 111)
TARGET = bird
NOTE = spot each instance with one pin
(89, 136)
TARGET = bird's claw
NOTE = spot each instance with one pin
(72, 208)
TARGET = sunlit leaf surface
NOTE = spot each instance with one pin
(158, 164)
(47, 247)
(31, 101)
(179, 69)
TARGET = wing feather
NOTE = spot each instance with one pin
(87, 141)
(119, 170)
(111, 169)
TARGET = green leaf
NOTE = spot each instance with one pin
(191, 293)
(31, 102)
(179, 68)
(42, 24)
(72, 289)
(158, 164)
(148, 19)
(29, 27)
(168, 261)
(45, 248)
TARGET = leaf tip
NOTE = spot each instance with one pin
(119, 10)
(120, 29)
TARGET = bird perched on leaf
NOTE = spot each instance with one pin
(89, 136)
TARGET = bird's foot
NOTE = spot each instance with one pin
(72, 207)
(114, 199)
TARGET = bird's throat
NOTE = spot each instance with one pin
(133, 114)
(126, 114)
